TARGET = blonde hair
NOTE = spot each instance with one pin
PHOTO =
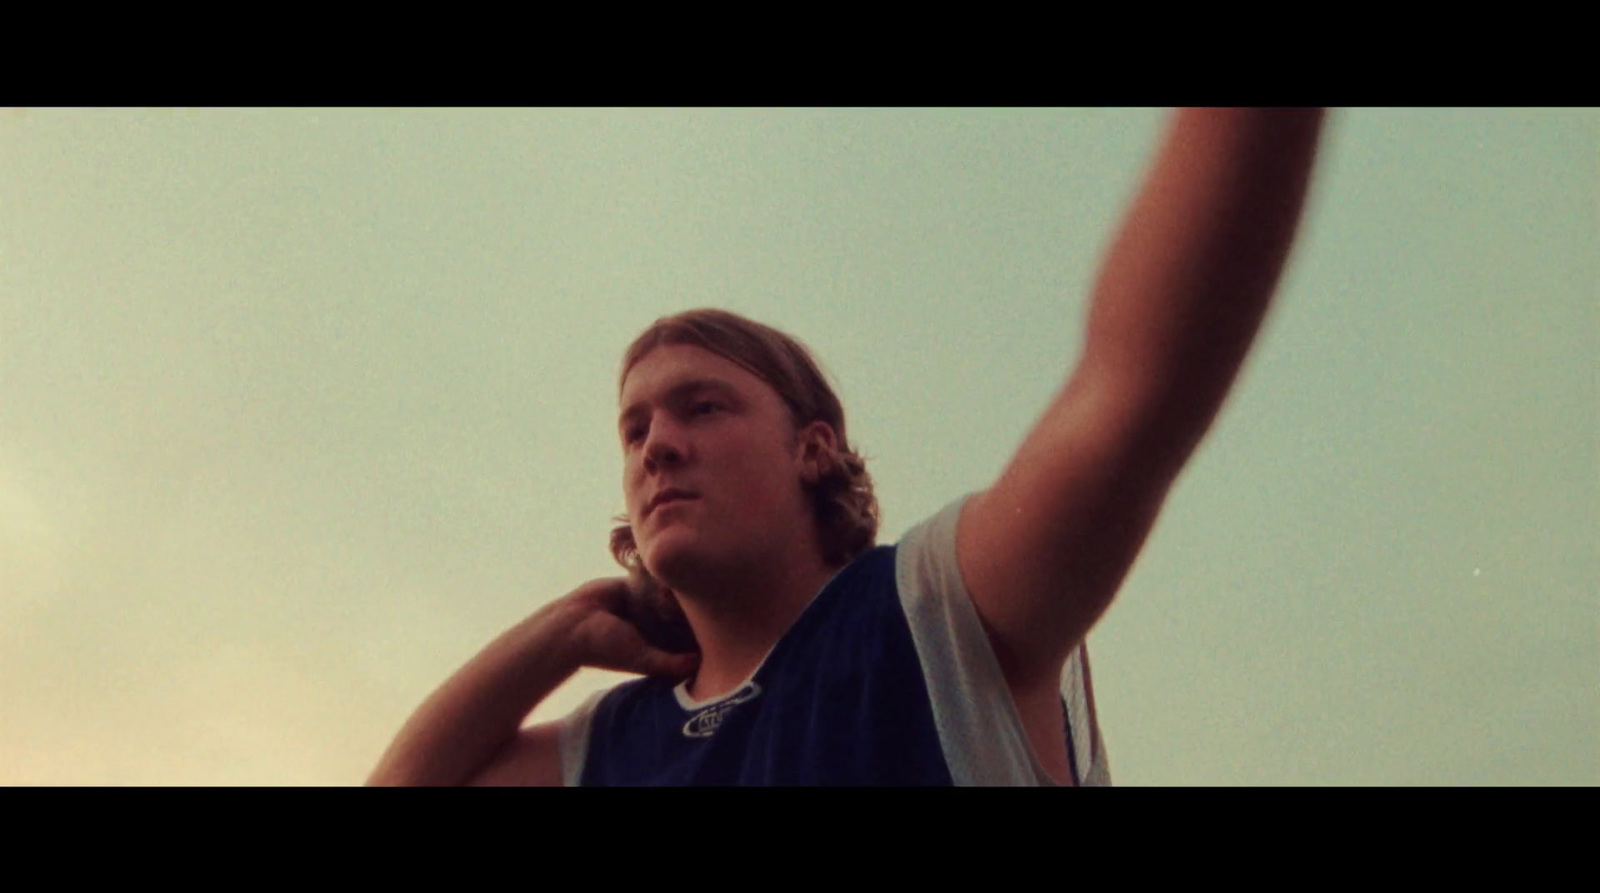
(846, 509)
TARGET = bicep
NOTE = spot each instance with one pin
(532, 759)
(1044, 549)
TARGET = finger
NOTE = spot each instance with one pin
(670, 666)
(653, 662)
(616, 644)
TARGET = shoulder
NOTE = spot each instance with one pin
(984, 739)
(988, 740)
(925, 557)
(617, 707)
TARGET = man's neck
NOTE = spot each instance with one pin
(738, 626)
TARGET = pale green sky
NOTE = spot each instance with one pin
(298, 409)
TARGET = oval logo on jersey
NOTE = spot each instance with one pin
(705, 723)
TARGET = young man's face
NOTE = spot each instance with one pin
(711, 470)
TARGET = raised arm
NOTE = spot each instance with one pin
(469, 730)
(1174, 311)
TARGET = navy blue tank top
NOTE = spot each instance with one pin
(887, 678)
(839, 701)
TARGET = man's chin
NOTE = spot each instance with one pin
(678, 560)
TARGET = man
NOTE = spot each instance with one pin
(955, 656)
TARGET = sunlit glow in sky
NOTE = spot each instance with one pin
(298, 409)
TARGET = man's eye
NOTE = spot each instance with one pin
(706, 406)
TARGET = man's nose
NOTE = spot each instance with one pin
(665, 446)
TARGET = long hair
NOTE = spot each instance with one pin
(846, 509)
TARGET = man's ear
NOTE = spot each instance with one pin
(818, 443)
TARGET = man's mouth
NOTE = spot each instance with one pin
(667, 497)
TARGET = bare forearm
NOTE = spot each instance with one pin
(478, 711)
(467, 729)
(1188, 281)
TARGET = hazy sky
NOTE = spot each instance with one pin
(298, 409)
